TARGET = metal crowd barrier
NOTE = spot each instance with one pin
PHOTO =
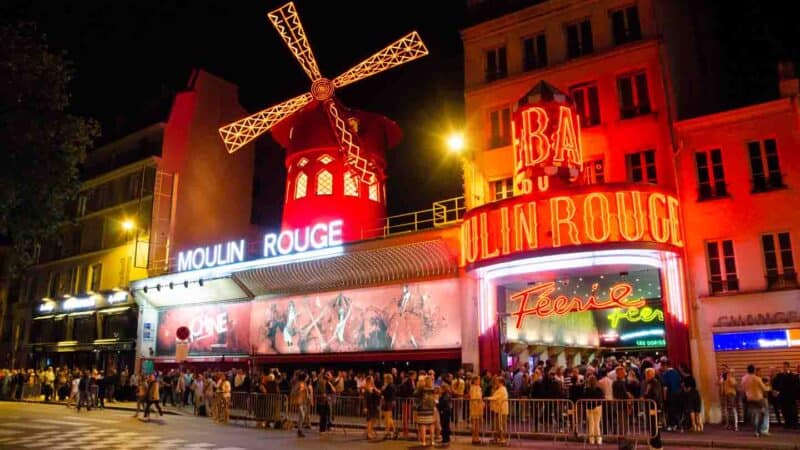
(635, 420)
(31, 392)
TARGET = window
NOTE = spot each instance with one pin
(534, 52)
(579, 39)
(496, 64)
(301, 185)
(81, 206)
(96, 277)
(325, 159)
(721, 267)
(586, 103)
(83, 275)
(642, 167)
(324, 183)
(764, 165)
(594, 171)
(302, 162)
(710, 175)
(72, 280)
(625, 25)
(119, 326)
(500, 127)
(778, 260)
(84, 328)
(373, 192)
(503, 188)
(634, 99)
(350, 184)
(134, 186)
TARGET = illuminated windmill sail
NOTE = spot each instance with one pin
(287, 22)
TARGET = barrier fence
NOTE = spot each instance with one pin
(635, 420)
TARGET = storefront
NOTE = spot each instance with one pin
(90, 331)
(577, 274)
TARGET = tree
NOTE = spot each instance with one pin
(41, 144)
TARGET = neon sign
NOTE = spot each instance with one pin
(633, 314)
(205, 326)
(215, 255)
(47, 307)
(535, 221)
(544, 305)
(316, 237)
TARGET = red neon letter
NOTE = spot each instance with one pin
(566, 140)
(556, 221)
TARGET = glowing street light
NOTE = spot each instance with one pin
(128, 225)
(455, 142)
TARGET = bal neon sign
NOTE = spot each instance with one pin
(545, 306)
(535, 221)
(47, 307)
(314, 237)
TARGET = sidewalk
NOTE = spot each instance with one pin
(714, 436)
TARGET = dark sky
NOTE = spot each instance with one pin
(131, 56)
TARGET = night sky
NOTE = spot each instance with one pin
(130, 57)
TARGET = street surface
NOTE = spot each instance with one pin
(54, 427)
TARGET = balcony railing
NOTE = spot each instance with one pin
(716, 286)
(443, 212)
(785, 280)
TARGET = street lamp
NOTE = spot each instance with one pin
(455, 142)
(128, 225)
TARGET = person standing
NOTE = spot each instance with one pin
(372, 400)
(324, 391)
(83, 392)
(728, 394)
(301, 400)
(445, 407)
(652, 390)
(784, 387)
(198, 388)
(141, 395)
(594, 410)
(671, 379)
(498, 404)
(475, 395)
(755, 398)
(388, 394)
(425, 407)
(225, 398)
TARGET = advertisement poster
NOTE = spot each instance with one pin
(619, 310)
(399, 317)
(215, 329)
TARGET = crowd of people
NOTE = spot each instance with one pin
(208, 393)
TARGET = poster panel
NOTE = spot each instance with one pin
(219, 328)
(412, 316)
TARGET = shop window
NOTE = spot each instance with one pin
(84, 328)
(96, 275)
(721, 267)
(579, 39)
(641, 167)
(779, 261)
(119, 326)
(587, 103)
(634, 98)
(503, 188)
(350, 184)
(302, 162)
(500, 127)
(625, 25)
(374, 192)
(325, 159)
(764, 165)
(324, 183)
(534, 52)
(496, 64)
(300, 185)
(42, 330)
(710, 174)
(594, 171)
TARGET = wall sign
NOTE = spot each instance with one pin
(540, 220)
(315, 237)
(78, 303)
(756, 340)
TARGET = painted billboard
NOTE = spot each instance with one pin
(215, 329)
(412, 316)
(619, 310)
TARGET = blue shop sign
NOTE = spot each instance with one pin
(751, 340)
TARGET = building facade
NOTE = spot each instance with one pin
(737, 168)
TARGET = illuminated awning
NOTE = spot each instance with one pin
(385, 264)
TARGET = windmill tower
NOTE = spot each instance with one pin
(334, 155)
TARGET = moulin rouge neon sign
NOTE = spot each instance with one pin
(544, 305)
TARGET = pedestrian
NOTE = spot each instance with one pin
(224, 390)
(300, 400)
(729, 397)
(372, 400)
(74, 392)
(445, 407)
(475, 396)
(755, 391)
(198, 389)
(426, 404)
(652, 390)
(692, 403)
(498, 404)
(594, 409)
(141, 395)
(785, 388)
(388, 396)
(83, 392)
(324, 391)
(153, 394)
(671, 379)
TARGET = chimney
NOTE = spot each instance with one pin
(788, 84)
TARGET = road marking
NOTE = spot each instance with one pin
(63, 422)
(230, 448)
(9, 432)
(87, 419)
(26, 425)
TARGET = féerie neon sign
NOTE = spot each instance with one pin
(545, 306)
(634, 314)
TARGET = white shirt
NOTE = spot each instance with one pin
(605, 385)
(75, 384)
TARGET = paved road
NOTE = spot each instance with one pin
(54, 427)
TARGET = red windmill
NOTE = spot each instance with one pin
(334, 155)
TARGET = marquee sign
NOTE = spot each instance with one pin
(619, 213)
(315, 237)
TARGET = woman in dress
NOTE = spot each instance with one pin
(372, 399)
(425, 408)
(476, 409)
